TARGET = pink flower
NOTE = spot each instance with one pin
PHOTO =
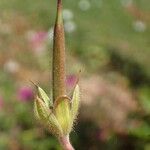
(71, 81)
(103, 135)
(37, 40)
(25, 94)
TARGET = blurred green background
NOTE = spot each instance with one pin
(109, 41)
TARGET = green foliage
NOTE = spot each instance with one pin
(144, 97)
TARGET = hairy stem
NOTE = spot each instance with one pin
(59, 75)
(65, 143)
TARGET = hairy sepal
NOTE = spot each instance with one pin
(63, 114)
(75, 103)
(46, 117)
(42, 94)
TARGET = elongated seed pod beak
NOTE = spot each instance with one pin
(59, 55)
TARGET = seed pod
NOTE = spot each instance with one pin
(59, 76)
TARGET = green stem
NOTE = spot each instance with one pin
(59, 75)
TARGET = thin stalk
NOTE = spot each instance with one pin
(59, 75)
(65, 143)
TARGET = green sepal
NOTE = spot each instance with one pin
(75, 103)
(63, 114)
(36, 114)
(46, 117)
(42, 94)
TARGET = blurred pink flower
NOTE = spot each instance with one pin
(71, 80)
(103, 134)
(37, 40)
(25, 94)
